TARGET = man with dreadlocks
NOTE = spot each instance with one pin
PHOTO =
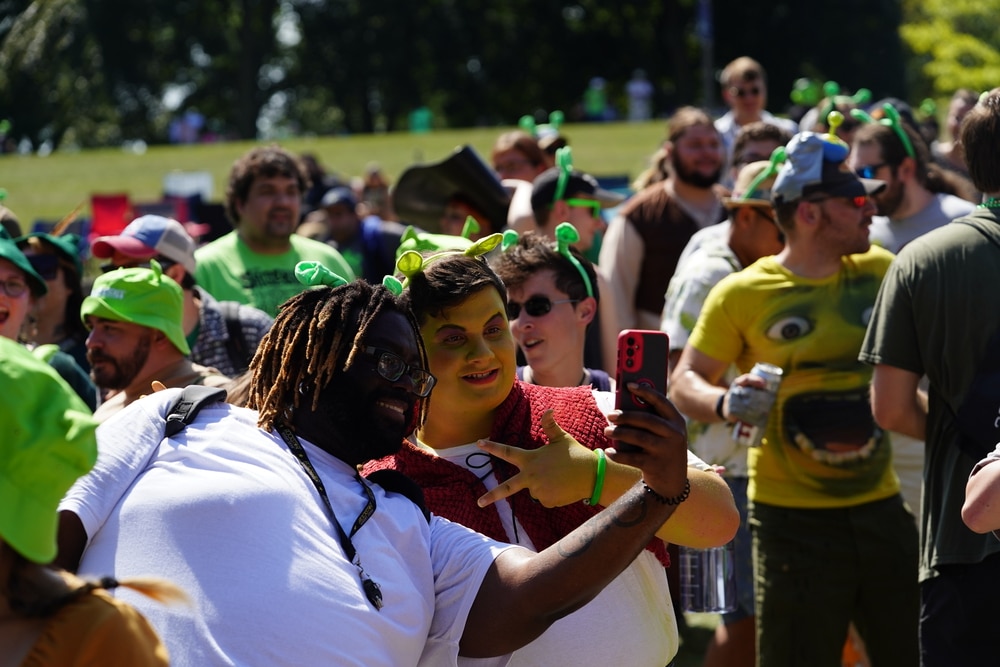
(289, 555)
(462, 308)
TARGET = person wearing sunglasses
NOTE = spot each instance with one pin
(462, 308)
(56, 321)
(291, 557)
(744, 90)
(21, 290)
(822, 490)
(551, 305)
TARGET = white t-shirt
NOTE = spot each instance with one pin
(632, 616)
(224, 511)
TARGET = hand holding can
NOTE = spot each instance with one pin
(751, 406)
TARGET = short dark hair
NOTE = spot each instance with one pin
(758, 131)
(447, 282)
(533, 253)
(523, 143)
(266, 161)
(892, 149)
(981, 142)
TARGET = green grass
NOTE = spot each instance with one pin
(50, 187)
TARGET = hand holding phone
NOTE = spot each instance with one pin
(643, 359)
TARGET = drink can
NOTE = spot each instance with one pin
(750, 435)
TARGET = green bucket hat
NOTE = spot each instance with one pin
(13, 254)
(140, 296)
(49, 441)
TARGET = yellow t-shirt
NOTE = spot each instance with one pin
(821, 447)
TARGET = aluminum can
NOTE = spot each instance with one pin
(750, 435)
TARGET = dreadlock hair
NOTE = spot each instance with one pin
(315, 336)
(447, 282)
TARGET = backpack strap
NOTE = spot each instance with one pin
(397, 482)
(236, 345)
(187, 405)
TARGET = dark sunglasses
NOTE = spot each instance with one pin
(47, 266)
(744, 92)
(536, 306)
(857, 202)
(869, 171)
(392, 367)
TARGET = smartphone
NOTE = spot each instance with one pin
(643, 359)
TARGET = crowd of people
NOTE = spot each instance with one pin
(377, 424)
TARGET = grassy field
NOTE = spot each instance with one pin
(49, 187)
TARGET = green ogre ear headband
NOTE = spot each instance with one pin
(892, 120)
(564, 162)
(566, 235)
(411, 262)
(314, 274)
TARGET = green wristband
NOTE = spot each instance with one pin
(602, 466)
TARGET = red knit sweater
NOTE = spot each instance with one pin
(451, 491)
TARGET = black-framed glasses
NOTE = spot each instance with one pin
(391, 367)
(869, 171)
(753, 91)
(536, 306)
(14, 287)
(47, 266)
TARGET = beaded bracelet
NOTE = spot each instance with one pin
(602, 466)
(676, 500)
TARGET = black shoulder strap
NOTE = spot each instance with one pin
(187, 405)
(397, 482)
(236, 345)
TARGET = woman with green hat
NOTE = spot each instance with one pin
(20, 288)
(50, 618)
(56, 318)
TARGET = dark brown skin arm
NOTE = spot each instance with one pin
(71, 540)
(524, 592)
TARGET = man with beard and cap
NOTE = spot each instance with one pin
(832, 538)
(134, 317)
(255, 263)
(291, 557)
(642, 244)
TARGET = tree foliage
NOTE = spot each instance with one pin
(954, 44)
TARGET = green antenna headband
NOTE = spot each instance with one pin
(566, 235)
(564, 162)
(778, 157)
(892, 120)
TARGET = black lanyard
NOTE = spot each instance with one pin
(372, 590)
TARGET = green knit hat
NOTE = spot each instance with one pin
(48, 442)
(140, 296)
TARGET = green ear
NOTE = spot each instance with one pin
(470, 227)
(484, 245)
(567, 234)
(392, 284)
(314, 274)
(509, 239)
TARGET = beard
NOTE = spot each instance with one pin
(889, 200)
(693, 177)
(357, 432)
(118, 373)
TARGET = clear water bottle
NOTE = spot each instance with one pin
(708, 579)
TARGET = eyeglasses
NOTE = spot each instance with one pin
(857, 202)
(869, 171)
(391, 367)
(47, 266)
(14, 287)
(744, 92)
(592, 204)
(536, 306)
